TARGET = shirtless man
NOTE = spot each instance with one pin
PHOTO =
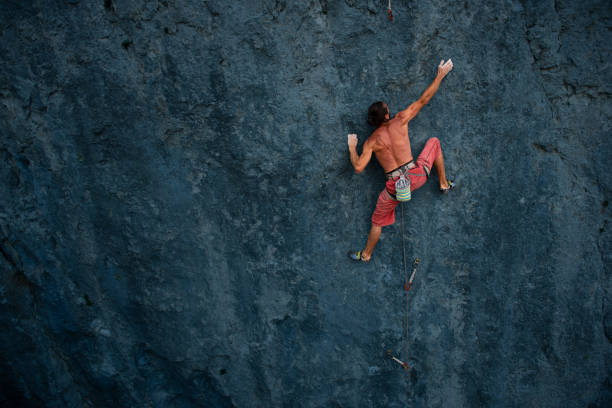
(391, 145)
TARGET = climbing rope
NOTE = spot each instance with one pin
(407, 286)
(407, 281)
(404, 245)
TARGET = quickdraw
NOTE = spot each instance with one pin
(389, 13)
(408, 284)
(397, 360)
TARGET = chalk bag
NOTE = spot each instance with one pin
(402, 189)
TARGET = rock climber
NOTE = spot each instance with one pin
(391, 145)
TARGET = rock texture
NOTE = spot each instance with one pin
(176, 203)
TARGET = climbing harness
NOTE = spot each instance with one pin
(401, 176)
(389, 13)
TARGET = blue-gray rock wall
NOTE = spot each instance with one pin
(177, 201)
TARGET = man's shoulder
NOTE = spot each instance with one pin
(379, 132)
(400, 115)
(399, 119)
(374, 136)
(377, 139)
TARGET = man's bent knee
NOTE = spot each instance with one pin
(434, 140)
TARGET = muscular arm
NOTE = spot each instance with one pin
(359, 162)
(411, 111)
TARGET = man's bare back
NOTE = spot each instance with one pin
(391, 144)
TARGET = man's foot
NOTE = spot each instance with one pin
(451, 185)
(357, 256)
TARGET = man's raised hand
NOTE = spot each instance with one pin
(352, 140)
(444, 68)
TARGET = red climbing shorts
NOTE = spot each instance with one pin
(384, 213)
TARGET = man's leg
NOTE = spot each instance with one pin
(439, 166)
(433, 151)
(384, 214)
(373, 237)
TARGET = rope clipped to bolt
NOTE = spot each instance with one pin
(407, 286)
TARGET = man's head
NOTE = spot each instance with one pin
(378, 113)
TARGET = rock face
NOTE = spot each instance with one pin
(177, 201)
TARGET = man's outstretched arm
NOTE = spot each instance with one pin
(410, 112)
(359, 162)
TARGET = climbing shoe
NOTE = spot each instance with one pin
(356, 256)
(451, 185)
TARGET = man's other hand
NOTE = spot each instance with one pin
(444, 68)
(352, 140)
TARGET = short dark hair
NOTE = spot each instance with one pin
(377, 113)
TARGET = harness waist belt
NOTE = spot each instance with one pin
(400, 170)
